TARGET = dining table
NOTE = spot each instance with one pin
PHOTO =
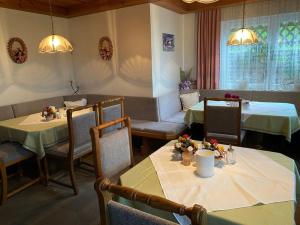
(145, 177)
(265, 117)
(34, 132)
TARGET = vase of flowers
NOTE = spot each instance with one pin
(49, 113)
(185, 80)
(213, 145)
(186, 147)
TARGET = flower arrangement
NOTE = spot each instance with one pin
(49, 112)
(185, 143)
(231, 96)
(215, 146)
(185, 80)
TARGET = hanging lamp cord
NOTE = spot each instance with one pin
(51, 15)
(244, 10)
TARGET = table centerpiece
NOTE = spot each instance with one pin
(186, 147)
(49, 113)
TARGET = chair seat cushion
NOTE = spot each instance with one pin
(176, 118)
(226, 138)
(11, 153)
(62, 150)
(160, 127)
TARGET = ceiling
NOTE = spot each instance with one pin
(73, 8)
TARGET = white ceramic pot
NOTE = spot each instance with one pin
(205, 160)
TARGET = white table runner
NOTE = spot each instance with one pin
(254, 179)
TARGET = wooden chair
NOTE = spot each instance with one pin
(110, 110)
(79, 143)
(112, 151)
(223, 122)
(12, 154)
(114, 213)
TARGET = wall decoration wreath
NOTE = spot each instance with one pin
(105, 48)
(17, 50)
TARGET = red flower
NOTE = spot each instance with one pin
(186, 136)
(213, 142)
(227, 95)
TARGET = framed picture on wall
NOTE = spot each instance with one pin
(168, 42)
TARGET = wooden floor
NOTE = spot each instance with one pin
(53, 205)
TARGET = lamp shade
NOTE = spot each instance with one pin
(243, 37)
(55, 43)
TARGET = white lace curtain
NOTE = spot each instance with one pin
(272, 64)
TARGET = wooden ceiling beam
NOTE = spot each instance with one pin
(101, 6)
(194, 7)
(174, 5)
(33, 6)
(85, 8)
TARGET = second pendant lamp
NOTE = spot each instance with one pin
(243, 36)
(54, 43)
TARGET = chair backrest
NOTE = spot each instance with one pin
(112, 213)
(80, 121)
(112, 151)
(110, 110)
(222, 116)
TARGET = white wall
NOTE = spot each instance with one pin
(41, 76)
(165, 65)
(189, 43)
(129, 72)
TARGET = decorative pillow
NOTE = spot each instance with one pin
(74, 104)
(189, 100)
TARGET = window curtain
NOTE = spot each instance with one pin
(208, 49)
(273, 63)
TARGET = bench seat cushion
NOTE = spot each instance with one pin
(166, 129)
(6, 112)
(11, 153)
(176, 118)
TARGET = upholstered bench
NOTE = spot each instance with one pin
(155, 130)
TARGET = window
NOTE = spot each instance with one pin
(272, 64)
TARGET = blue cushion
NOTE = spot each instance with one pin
(11, 153)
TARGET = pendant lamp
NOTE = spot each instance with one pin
(243, 36)
(200, 1)
(54, 43)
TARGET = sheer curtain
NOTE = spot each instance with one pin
(272, 64)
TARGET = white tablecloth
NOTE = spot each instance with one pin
(254, 179)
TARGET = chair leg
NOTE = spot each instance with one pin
(145, 148)
(46, 172)
(4, 185)
(38, 161)
(72, 176)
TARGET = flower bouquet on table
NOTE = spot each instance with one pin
(49, 113)
(231, 96)
(185, 143)
(187, 148)
(213, 145)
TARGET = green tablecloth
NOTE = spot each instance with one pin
(265, 117)
(34, 137)
(143, 177)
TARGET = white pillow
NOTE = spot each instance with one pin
(74, 104)
(188, 100)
